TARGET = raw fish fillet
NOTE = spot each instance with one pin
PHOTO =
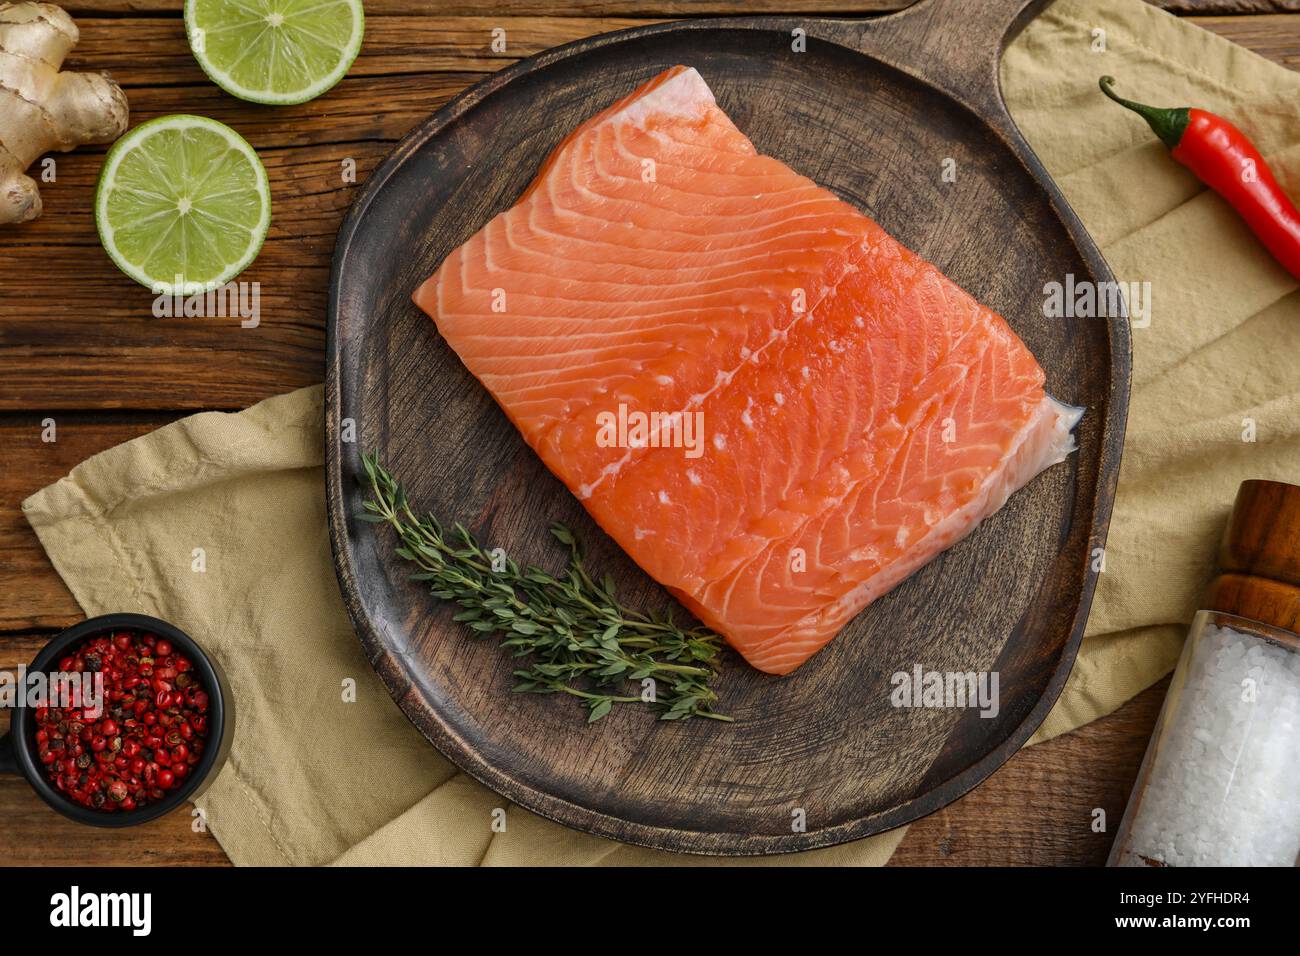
(858, 413)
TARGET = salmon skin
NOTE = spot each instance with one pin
(775, 408)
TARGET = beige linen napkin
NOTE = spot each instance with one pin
(217, 522)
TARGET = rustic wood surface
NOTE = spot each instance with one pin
(74, 341)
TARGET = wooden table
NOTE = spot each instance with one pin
(78, 343)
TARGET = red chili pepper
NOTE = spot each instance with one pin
(1225, 160)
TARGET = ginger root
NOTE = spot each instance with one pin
(41, 108)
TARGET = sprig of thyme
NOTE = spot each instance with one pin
(577, 638)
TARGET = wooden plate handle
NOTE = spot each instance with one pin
(953, 44)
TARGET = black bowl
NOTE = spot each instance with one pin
(18, 749)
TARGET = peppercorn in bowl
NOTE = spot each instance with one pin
(124, 718)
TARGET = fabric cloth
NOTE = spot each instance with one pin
(217, 522)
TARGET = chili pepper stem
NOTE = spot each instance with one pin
(1168, 124)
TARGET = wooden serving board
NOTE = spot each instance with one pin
(871, 109)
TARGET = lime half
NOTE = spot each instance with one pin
(275, 51)
(182, 204)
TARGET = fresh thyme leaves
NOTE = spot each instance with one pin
(576, 637)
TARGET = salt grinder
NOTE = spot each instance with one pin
(1220, 783)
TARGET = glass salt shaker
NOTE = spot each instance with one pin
(1220, 783)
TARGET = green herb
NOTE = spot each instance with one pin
(577, 637)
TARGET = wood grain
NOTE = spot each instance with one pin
(1019, 815)
(1039, 809)
(36, 597)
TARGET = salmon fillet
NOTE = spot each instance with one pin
(823, 411)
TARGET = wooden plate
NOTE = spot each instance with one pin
(871, 109)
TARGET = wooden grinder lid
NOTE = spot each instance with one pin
(1259, 559)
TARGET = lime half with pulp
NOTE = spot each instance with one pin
(275, 51)
(183, 204)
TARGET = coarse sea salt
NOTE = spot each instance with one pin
(1222, 777)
